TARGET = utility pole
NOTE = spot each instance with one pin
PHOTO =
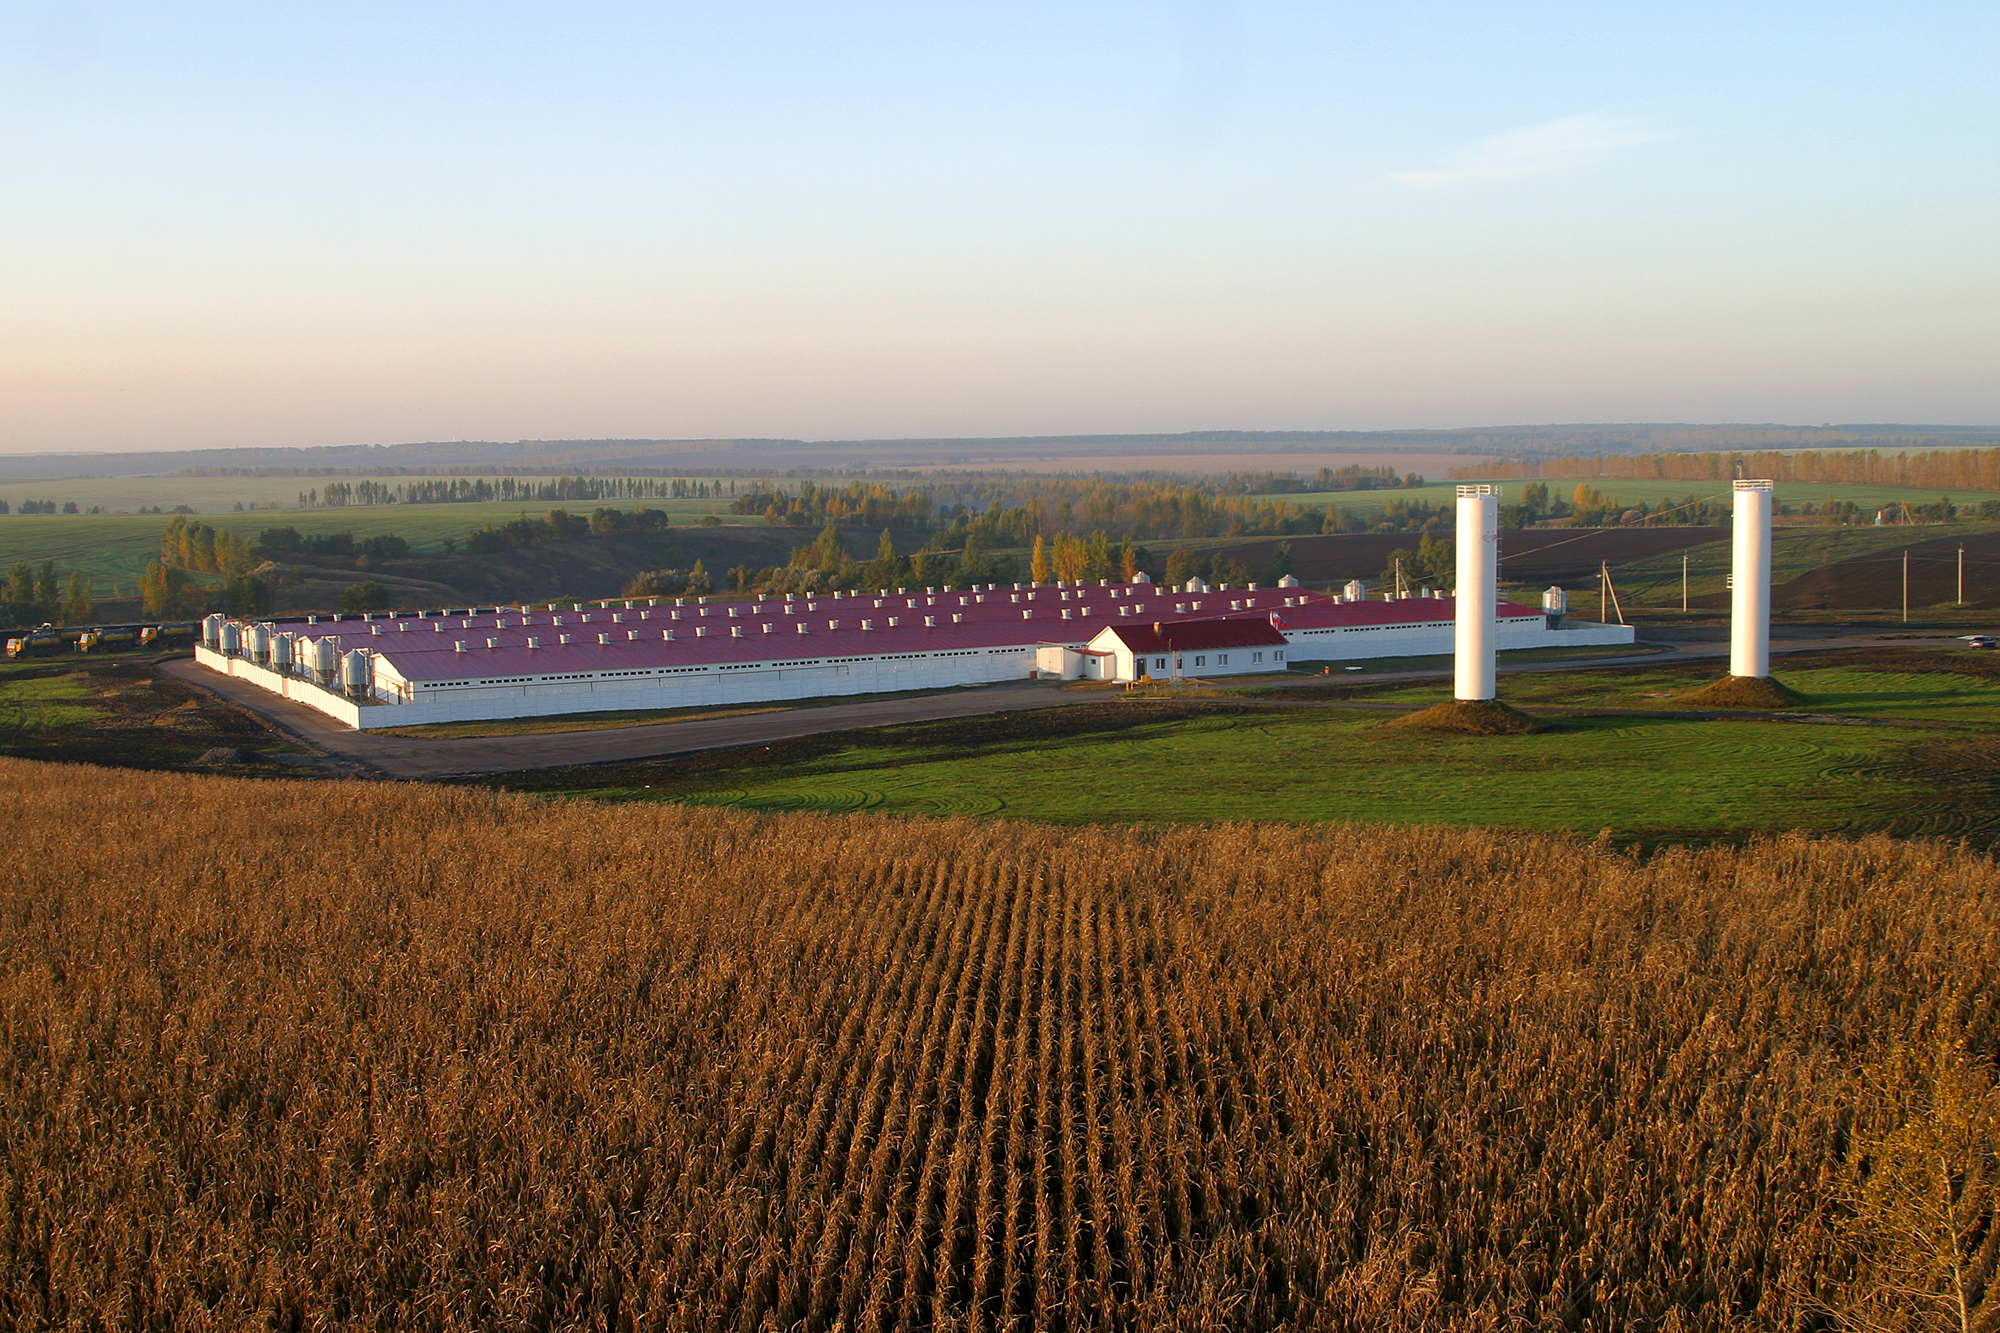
(1961, 574)
(1906, 585)
(1684, 585)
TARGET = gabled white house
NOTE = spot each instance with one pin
(1169, 650)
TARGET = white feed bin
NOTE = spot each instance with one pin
(356, 671)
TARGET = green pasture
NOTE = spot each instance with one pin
(1928, 763)
(114, 548)
(1644, 778)
(31, 699)
(1887, 684)
(1366, 504)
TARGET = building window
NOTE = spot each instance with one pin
(1278, 656)
(1201, 661)
(1159, 664)
(1222, 659)
(1256, 657)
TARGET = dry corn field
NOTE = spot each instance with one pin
(302, 1056)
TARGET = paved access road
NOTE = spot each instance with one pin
(410, 758)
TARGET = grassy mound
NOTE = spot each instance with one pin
(1465, 717)
(1743, 692)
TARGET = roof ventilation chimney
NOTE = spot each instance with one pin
(562, 638)
(667, 635)
(534, 643)
(604, 638)
(458, 645)
(493, 643)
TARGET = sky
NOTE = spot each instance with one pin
(291, 224)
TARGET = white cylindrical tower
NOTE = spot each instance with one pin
(1478, 590)
(1750, 584)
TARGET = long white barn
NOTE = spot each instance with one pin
(418, 667)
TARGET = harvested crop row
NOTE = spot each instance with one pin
(287, 1053)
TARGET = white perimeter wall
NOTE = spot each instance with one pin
(291, 687)
(1351, 642)
(682, 689)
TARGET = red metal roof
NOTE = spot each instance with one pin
(421, 648)
(1196, 635)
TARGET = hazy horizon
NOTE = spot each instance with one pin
(236, 227)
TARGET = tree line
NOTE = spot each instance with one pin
(33, 596)
(486, 490)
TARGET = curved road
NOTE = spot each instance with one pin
(411, 758)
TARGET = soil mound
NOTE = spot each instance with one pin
(1464, 717)
(225, 755)
(1743, 692)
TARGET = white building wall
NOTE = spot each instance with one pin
(690, 688)
(1351, 642)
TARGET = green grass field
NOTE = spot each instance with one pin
(1886, 684)
(32, 700)
(1645, 778)
(114, 548)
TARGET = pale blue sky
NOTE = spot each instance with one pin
(290, 224)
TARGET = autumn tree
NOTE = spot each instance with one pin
(165, 592)
(78, 606)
